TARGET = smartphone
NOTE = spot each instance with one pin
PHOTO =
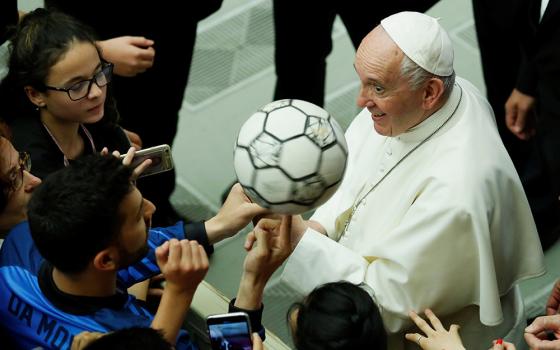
(160, 156)
(230, 331)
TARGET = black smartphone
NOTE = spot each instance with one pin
(229, 331)
(160, 156)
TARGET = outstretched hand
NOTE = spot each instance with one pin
(435, 336)
(236, 213)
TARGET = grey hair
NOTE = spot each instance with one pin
(417, 76)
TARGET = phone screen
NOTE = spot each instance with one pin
(229, 333)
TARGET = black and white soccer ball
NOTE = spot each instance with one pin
(290, 156)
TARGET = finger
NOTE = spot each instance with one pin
(257, 342)
(127, 160)
(155, 292)
(158, 278)
(511, 113)
(142, 65)
(497, 346)
(197, 252)
(542, 335)
(416, 338)
(175, 251)
(147, 55)
(542, 323)
(186, 254)
(263, 238)
(104, 151)
(436, 323)
(162, 253)
(140, 41)
(250, 240)
(536, 343)
(269, 224)
(520, 120)
(203, 257)
(141, 168)
(419, 321)
(116, 154)
(285, 231)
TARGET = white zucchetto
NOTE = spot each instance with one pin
(422, 39)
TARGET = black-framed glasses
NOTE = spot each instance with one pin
(24, 162)
(82, 88)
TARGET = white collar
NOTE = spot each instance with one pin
(433, 122)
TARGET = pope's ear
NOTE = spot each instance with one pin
(36, 97)
(433, 93)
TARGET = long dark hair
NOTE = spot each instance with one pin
(40, 40)
(338, 316)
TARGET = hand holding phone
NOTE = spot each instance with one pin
(160, 157)
(230, 331)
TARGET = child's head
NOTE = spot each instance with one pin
(337, 316)
(56, 62)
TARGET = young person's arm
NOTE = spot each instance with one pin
(268, 247)
(183, 264)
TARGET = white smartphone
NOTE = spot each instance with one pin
(161, 159)
(230, 331)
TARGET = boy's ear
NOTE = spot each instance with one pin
(106, 260)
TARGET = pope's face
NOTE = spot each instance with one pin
(393, 105)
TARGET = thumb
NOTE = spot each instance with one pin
(250, 240)
(140, 41)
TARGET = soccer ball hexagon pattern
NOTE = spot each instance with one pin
(290, 156)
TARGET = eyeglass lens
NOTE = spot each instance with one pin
(82, 88)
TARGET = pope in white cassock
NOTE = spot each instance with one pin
(431, 212)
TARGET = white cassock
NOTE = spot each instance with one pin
(448, 228)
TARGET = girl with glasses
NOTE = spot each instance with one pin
(56, 96)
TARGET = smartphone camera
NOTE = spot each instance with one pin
(230, 331)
